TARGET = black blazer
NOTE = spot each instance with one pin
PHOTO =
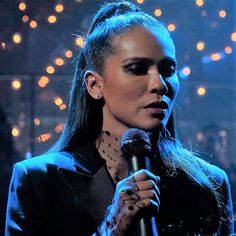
(66, 194)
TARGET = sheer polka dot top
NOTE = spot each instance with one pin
(108, 146)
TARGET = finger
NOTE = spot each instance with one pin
(143, 175)
(148, 204)
(148, 185)
(150, 194)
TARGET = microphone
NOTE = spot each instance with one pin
(136, 149)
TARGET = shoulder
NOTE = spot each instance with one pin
(45, 163)
(215, 173)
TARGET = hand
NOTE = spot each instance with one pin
(134, 195)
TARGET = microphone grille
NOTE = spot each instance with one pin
(135, 142)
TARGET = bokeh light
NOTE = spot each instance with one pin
(68, 53)
(37, 121)
(44, 137)
(50, 70)
(140, 1)
(215, 56)
(25, 18)
(200, 46)
(201, 91)
(43, 81)
(59, 61)
(79, 41)
(199, 3)
(58, 101)
(158, 12)
(3, 45)
(171, 27)
(17, 38)
(22, 6)
(33, 24)
(15, 131)
(59, 8)
(59, 127)
(16, 84)
(52, 19)
(228, 50)
(233, 36)
(222, 13)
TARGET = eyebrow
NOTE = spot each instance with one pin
(147, 60)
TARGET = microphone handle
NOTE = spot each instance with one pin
(146, 225)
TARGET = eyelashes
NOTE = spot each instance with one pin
(166, 67)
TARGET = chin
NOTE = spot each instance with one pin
(151, 126)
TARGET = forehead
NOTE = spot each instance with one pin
(140, 42)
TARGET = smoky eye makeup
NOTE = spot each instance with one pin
(138, 66)
(167, 67)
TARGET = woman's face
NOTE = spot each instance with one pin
(139, 82)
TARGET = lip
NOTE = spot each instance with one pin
(158, 105)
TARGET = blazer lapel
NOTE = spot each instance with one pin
(89, 181)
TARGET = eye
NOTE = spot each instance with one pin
(167, 67)
(137, 68)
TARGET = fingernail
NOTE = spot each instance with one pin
(158, 179)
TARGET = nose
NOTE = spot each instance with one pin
(158, 84)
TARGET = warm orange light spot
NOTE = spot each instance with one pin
(59, 8)
(140, 1)
(22, 6)
(15, 131)
(79, 41)
(43, 81)
(158, 12)
(33, 24)
(187, 71)
(228, 50)
(59, 61)
(68, 53)
(16, 84)
(50, 70)
(3, 45)
(222, 13)
(52, 19)
(199, 3)
(215, 56)
(58, 101)
(171, 27)
(201, 91)
(200, 46)
(233, 36)
(25, 18)
(58, 128)
(17, 38)
(44, 137)
(62, 107)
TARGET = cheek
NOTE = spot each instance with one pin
(173, 87)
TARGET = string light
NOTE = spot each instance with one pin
(25, 18)
(44, 137)
(215, 56)
(68, 53)
(37, 121)
(201, 91)
(17, 38)
(50, 70)
(58, 101)
(171, 27)
(33, 24)
(62, 107)
(228, 50)
(16, 84)
(59, 61)
(58, 128)
(43, 81)
(222, 13)
(22, 6)
(3, 45)
(200, 46)
(199, 3)
(140, 1)
(52, 19)
(233, 36)
(79, 41)
(59, 8)
(158, 12)
(15, 131)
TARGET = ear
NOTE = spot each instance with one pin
(93, 83)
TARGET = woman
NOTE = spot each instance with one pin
(125, 78)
